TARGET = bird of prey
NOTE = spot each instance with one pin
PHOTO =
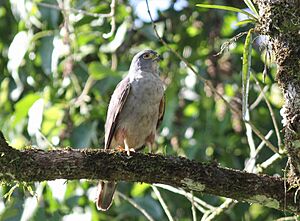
(135, 111)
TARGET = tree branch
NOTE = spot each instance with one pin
(38, 165)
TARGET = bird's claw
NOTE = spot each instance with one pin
(130, 150)
(127, 150)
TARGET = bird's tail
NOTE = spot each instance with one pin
(106, 192)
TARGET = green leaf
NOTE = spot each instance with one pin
(251, 7)
(46, 49)
(246, 73)
(82, 135)
(120, 35)
(139, 189)
(22, 107)
(99, 71)
(4, 89)
(52, 115)
(13, 209)
(10, 192)
(227, 8)
(246, 21)
(191, 110)
(228, 20)
(50, 16)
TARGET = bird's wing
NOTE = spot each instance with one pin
(116, 105)
(161, 111)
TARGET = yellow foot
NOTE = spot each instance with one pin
(122, 149)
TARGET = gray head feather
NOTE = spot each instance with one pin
(145, 60)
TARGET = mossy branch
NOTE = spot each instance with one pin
(38, 165)
(280, 20)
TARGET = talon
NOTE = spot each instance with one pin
(127, 149)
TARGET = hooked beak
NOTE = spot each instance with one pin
(157, 57)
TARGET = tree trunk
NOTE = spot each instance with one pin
(280, 20)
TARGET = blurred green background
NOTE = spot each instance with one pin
(59, 68)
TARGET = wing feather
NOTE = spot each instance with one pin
(161, 111)
(116, 105)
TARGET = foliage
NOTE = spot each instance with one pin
(58, 70)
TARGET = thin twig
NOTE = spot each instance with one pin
(113, 20)
(259, 98)
(194, 200)
(96, 15)
(135, 205)
(79, 11)
(68, 67)
(270, 161)
(288, 218)
(226, 44)
(271, 112)
(83, 97)
(228, 202)
(261, 136)
(262, 144)
(163, 204)
(193, 208)
(250, 167)
(187, 194)
(258, 149)
(197, 206)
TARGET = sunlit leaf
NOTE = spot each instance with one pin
(246, 73)
(243, 22)
(229, 20)
(138, 189)
(191, 110)
(52, 116)
(99, 71)
(18, 49)
(4, 91)
(227, 8)
(22, 107)
(251, 7)
(10, 192)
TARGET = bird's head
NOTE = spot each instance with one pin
(145, 60)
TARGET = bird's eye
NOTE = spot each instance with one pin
(147, 56)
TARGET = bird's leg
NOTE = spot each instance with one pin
(127, 149)
(150, 145)
(150, 142)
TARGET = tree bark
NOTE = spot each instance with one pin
(38, 165)
(280, 20)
